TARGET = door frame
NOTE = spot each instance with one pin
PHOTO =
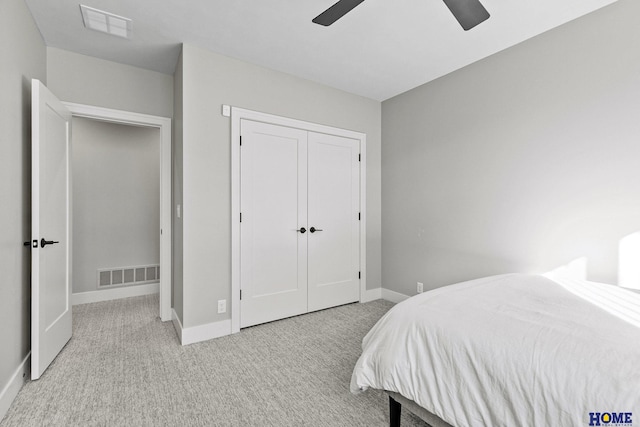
(164, 125)
(238, 114)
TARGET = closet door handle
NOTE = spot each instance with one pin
(44, 243)
(313, 229)
(303, 230)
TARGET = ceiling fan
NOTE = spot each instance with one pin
(469, 13)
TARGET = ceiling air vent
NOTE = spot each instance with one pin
(106, 22)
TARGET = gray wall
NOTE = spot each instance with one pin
(210, 80)
(116, 198)
(86, 80)
(521, 162)
(23, 58)
(177, 301)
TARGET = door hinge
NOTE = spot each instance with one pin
(240, 294)
(359, 275)
(358, 216)
(359, 157)
(240, 216)
(240, 140)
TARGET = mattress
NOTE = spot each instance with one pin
(511, 350)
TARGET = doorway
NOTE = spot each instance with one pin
(111, 276)
(115, 201)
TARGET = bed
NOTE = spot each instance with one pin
(509, 350)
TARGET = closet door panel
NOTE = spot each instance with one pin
(333, 203)
(273, 203)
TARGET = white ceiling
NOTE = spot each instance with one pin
(380, 49)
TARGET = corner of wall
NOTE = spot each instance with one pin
(23, 58)
(177, 223)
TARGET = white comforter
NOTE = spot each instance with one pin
(510, 350)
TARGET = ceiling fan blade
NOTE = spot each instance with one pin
(336, 12)
(469, 13)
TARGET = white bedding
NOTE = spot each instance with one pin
(510, 350)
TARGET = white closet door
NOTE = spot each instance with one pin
(273, 205)
(334, 194)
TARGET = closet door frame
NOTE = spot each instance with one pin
(238, 114)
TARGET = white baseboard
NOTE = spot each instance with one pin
(371, 295)
(200, 333)
(177, 324)
(385, 294)
(116, 293)
(11, 389)
(393, 296)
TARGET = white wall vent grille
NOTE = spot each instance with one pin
(116, 277)
(125, 276)
(104, 278)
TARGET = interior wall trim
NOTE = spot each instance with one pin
(115, 293)
(393, 296)
(177, 324)
(199, 333)
(372, 295)
(12, 388)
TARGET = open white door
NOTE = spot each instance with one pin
(50, 228)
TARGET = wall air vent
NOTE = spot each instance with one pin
(126, 276)
(106, 22)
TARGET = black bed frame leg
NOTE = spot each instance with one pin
(395, 409)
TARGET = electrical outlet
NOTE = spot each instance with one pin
(222, 306)
(420, 288)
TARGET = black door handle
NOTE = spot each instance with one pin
(302, 230)
(313, 229)
(44, 243)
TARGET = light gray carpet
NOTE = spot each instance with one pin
(124, 367)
